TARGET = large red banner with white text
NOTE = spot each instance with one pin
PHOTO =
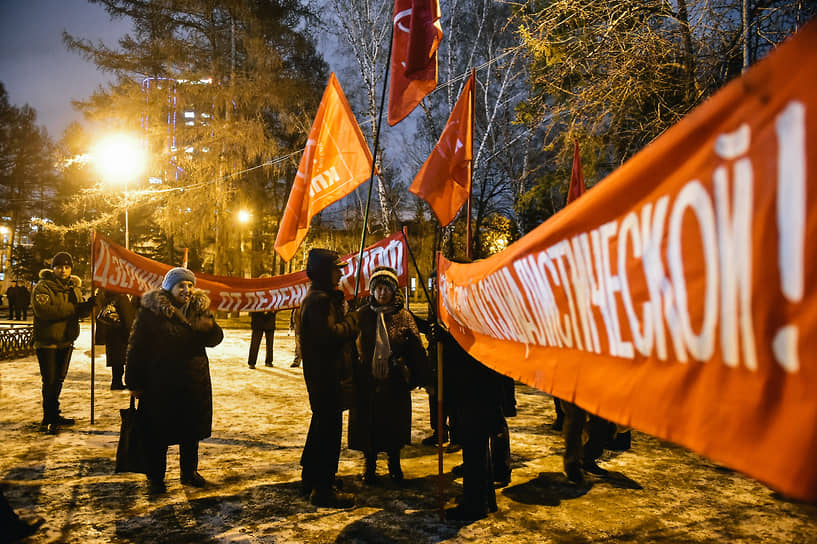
(677, 296)
(118, 270)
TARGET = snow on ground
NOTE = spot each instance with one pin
(656, 492)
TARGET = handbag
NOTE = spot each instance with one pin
(108, 315)
(130, 452)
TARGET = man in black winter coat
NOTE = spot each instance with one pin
(327, 336)
(261, 324)
(477, 395)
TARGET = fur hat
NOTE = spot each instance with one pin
(385, 275)
(320, 261)
(175, 275)
(62, 258)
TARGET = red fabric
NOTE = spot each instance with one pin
(577, 187)
(119, 270)
(415, 39)
(336, 160)
(679, 296)
(444, 181)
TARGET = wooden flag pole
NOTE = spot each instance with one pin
(468, 241)
(374, 163)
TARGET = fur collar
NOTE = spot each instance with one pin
(160, 302)
(48, 275)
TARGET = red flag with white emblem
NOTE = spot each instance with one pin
(415, 39)
(444, 181)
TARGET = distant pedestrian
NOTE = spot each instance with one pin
(11, 297)
(168, 371)
(392, 363)
(58, 305)
(295, 327)
(327, 340)
(262, 324)
(22, 303)
(113, 328)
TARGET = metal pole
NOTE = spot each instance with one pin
(374, 162)
(93, 323)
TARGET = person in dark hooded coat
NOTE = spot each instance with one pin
(168, 371)
(327, 335)
(392, 362)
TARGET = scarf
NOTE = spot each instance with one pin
(382, 348)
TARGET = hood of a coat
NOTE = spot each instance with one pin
(160, 302)
(48, 274)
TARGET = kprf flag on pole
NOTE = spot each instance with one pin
(336, 160)
(444, 181)
(415, 39)
(577, 187)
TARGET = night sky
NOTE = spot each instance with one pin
(36, 68)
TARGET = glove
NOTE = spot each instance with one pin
(435, 332)
(84, 309)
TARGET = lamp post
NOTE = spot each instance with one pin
(119, 159)
(244, 217)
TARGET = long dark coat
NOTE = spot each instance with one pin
(167, 362)
(327, 336)
(380, 419)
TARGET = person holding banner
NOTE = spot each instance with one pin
(261, 324)
(392, 363)
(168, 371)
(58, 305)
(327, 335)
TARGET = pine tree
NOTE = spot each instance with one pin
(223, 93)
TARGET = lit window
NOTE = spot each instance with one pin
(189, 149)
(189, 115)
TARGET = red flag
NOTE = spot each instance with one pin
(415, 39)
(335, 161)
(577, 187)
(444, 181)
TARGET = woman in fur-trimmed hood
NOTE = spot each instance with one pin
(168, 370)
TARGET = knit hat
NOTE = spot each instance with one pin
(385, 275)
(62, 258)
(175, 275)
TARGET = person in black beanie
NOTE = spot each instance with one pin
(327, 336)
(58, 305)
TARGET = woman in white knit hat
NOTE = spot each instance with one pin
(168, 370)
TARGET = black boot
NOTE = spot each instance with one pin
(370, 472)
(395, 471)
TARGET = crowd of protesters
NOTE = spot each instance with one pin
(364, 355)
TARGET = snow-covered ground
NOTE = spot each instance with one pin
(656, 492)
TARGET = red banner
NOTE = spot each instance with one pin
(675, 296)
(118, 270)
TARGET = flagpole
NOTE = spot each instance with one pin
(93, 327)
(468, 241)
(374, 163)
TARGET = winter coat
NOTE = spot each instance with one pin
(168, 365)
(57, 308)
(328, 351)
(115, 337)
(380, 418)
(262, 321)
(477, 395)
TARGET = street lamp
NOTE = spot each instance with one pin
(119, 159)
(244, 217)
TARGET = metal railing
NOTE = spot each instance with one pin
(16, 340)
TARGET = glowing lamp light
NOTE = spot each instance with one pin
(244, 216)
(119, 158)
